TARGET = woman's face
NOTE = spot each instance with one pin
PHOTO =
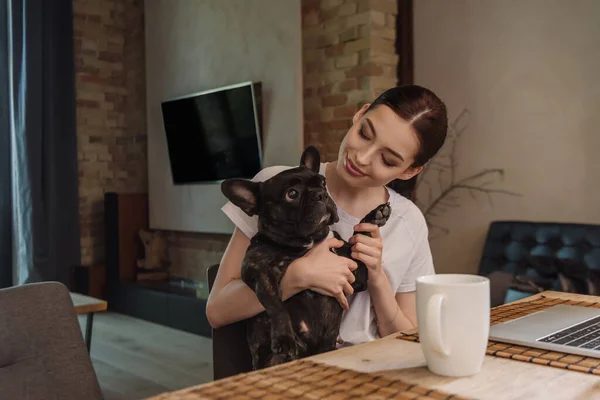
(379, 147)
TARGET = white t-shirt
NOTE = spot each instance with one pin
(406, 254)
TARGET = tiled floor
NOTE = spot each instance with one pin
(135, 359)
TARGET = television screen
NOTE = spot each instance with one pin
(213, 135)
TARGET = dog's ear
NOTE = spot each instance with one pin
(311, 159)
(243, 193)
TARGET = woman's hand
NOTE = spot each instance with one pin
(326, 273)
(368, 250)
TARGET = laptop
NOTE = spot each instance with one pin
(560, 328)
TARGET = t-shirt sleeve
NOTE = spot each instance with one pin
(245, 223)
(421, 263)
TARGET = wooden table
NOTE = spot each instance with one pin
(500, 378)
(88, 305)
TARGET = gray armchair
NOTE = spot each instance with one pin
(42, 352)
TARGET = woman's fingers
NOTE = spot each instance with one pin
(370, 228)
(335, 243)
(369, 261)
(369, 241)
(368, 250)
(348, 290)
(341, 298)
(352, 265)
(351, 277)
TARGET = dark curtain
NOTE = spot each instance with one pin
(42, 132)
(5, 159)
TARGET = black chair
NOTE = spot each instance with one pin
(42, 352)
(231, 355)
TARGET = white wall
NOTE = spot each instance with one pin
(528, 73)
(195, 45)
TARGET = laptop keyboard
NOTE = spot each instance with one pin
(585, 335)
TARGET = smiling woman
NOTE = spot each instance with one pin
(388, 143)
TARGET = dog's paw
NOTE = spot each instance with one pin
(379, 215)
(276, 359)
(285, 345)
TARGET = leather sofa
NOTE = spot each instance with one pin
(524, 257)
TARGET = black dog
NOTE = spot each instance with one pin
(294, 213)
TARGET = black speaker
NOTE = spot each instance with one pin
(111, 236)
(81, 280)
(124, 215)
(88, 280)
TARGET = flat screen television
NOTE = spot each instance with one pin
(215, 134)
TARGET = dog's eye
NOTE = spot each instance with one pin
(292, 194)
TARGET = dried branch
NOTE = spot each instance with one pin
(481, 174)
(457, 134)
(433, 228)
(464, 184)
(485, 190)
(444, 165)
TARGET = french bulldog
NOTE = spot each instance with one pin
(294, 214)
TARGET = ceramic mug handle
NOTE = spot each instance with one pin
(434, 324)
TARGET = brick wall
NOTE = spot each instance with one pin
(111, 110)
(192, 253)
(111, 125)
(349, 58)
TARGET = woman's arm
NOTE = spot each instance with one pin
(408, 304)
(421, 264)
(230, 299)
(395, 311)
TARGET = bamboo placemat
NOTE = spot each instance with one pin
(512, 311)
(305, 379)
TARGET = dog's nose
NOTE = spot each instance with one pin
(318, 195)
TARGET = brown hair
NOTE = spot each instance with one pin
(427, 114)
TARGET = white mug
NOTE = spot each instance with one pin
(453, 314)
